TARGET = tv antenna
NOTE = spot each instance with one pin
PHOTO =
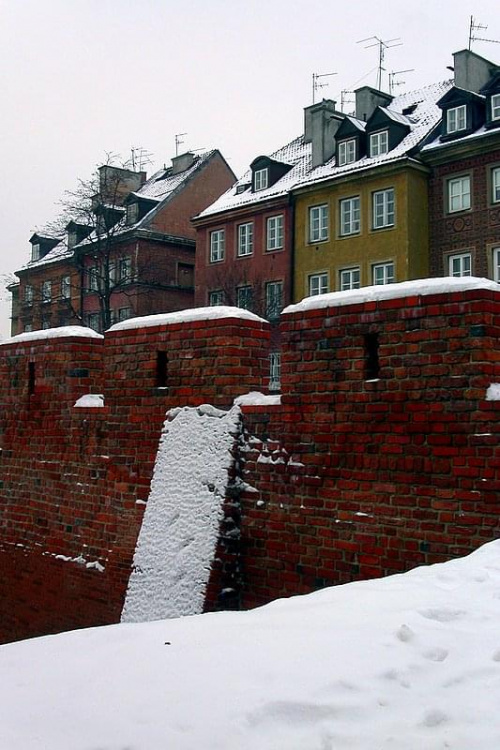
(392, 76)
(139, 157)
(317, 85)
(344, 99)
(473, 26)
(178, 142)
(382, 47)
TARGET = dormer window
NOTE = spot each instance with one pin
(379, 143)
(35, 251)
(261, 179)
(132, 213)
(495, 107)
(347, 151)
(456, 119)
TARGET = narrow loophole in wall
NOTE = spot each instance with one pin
(31, 378)
(372, 365)
(161, 369)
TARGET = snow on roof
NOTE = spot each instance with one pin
(421, 287)
(59, 252)
(218, 312)
(163, 183)
(396, 116)
(184, 510)
(63, 332)
(409, 661)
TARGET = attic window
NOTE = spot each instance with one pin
(132, 213)
(241, 188)
(347, 151)
(495, 107)
(261, 179)
(409, 110)
(35, 251)
(379, 143)
(456, 119)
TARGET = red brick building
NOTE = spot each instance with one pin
(132, 253)
(464, 185)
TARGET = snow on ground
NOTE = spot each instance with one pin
(180, 528)
(410, 662)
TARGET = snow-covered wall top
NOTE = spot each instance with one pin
(64, 332)
(186, 316)
(421, 287)
(180, 529)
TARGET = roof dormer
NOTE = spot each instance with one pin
(137, 207)
(463, 113)
(266, 172)
(350, 141)
(492, 93)
(41, 245)
(76, 232)
(385, 129)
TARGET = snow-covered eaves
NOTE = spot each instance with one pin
(219, 312)
(418, 288)
(58, 253)
(63, 332)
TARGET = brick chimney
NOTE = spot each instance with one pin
(321, 122)
(471, 71)
(367, 101)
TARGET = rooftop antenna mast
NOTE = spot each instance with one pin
(382, 47)
(139, 157)
(344, 99)
(392, 76)
(178, 142)
(473, 26)
(317, 85)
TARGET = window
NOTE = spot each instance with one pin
(216, 298)
(66, 287)
(495, 185)
(28, 327)
(496, 264)
(72, 239)
(350, 221)
(349, 279)
(383, 273)
(383, 208)
(379, 143)
(495, 107)
(274, 299)
(318, 284)
(93, 279)
(46, 291)
(28, 295)
(261, 179)
(275, 232)
(347, 151)
(35, 251)
(124, 313)
(217, 245)
(45, 323)
(94, 321)
(460, 265)
(274, 371)
(132, 213)
(456, 119)
(185, 275)
(244, 297)
(125, 270)
(245, 239)
(318, 223)
(459, 194)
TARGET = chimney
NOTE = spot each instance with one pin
(472, 72)
(367, 101)
(116, 183)
(182, 162)
(321, 122)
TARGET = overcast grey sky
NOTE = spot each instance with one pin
(80, 78)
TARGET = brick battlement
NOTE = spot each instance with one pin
(383, 453)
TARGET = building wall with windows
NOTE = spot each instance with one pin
(361, 230)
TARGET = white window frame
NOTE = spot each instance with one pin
(379, 143)
(46, 291)
(244, 297)
(124, 270)
(496, 263)
(347, 151)
(93, 278)
(383, 273)
(459, 194)
(318, 223)
(132, 213)
(317, 283)
(460, 264)
(495, 107)
(28, 295)
(275, 232)
(274, 299)
(456, 119)
(349, 278)
(35, 251)
(261, 179)
(66, 287)
(383, 208)
(245, 239)
(495, 185)
(350, 216)
(274, 371)
(216, 298)
(217, 245)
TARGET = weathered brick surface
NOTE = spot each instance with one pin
(366, 467)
